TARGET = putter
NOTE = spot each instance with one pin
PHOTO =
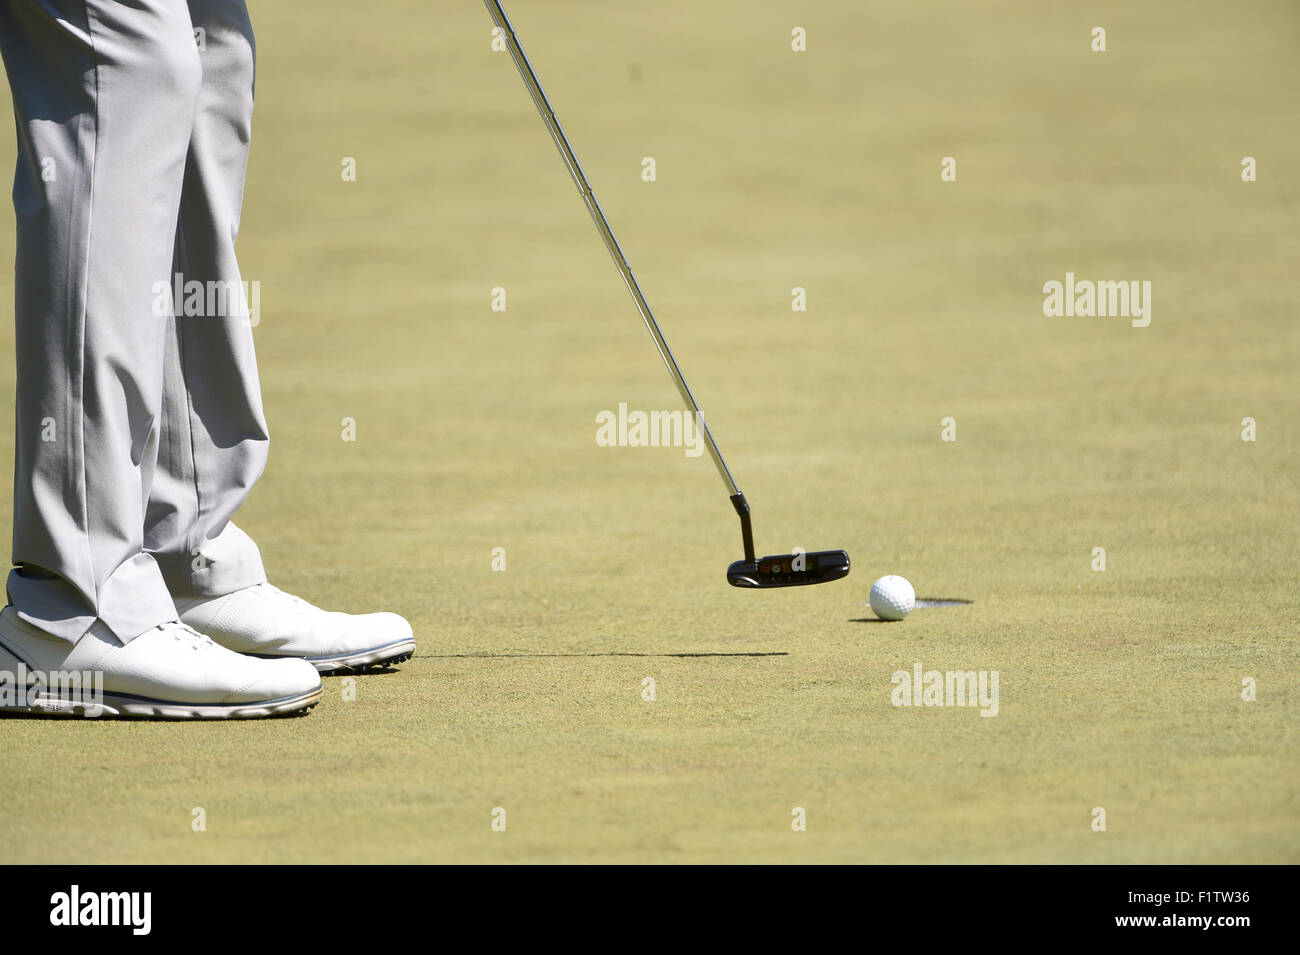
(783, 570)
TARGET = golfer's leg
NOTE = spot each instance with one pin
(104, 96)
(214, 436)
(214, 440)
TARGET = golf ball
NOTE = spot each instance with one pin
(892, 597)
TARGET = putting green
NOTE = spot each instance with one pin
(475, 429)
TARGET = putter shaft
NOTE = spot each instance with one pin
(616, 252)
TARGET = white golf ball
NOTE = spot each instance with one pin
(892, 597)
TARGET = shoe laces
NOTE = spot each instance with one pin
(184, 633)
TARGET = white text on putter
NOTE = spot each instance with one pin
(924, 687)
(103, 908)
(1088, 299)
(654, 429)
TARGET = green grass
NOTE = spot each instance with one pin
(476, 430)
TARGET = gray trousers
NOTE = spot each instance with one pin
(138, 434)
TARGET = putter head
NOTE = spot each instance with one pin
(790, 570)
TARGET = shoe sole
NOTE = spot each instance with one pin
(130, 706)
(379, 658)
(357, 661)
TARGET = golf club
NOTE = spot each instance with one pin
(784, 570)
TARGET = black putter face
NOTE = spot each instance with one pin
(790, 570)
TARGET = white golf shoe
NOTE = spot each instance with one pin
(170, 672)
(264, 621)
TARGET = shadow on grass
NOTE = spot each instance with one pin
(922, 603)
